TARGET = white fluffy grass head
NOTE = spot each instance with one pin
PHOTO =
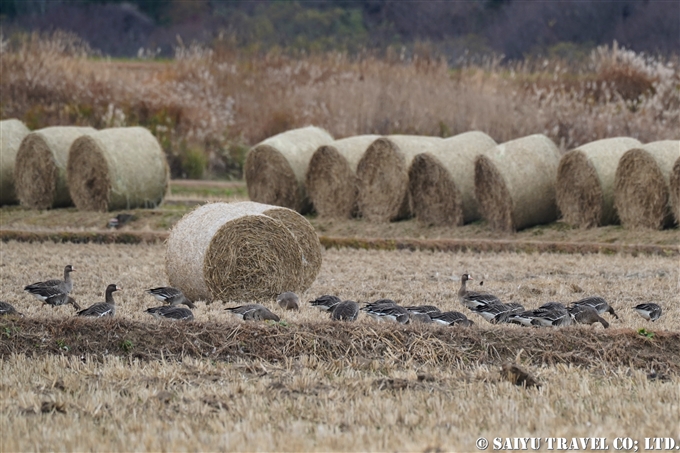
(12, 132)
(585, 181)
(275, 168)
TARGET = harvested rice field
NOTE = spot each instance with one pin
(307, 384)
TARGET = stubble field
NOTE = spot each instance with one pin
(133, 383)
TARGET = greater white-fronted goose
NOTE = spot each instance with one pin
(651, 312)
(423, 309)
(585, 314)
(325, 302)
(171, 312)
(387, 310)
(253, 312)
(422, 318)
(599, 304)
(553, 306)
(107, 308)
(543, 317)
(472, 299)
(452, 318)
(288, 301)
(7, 309)
(171, 296)
(347, 310)
(42, 290)
(54, 297)
(495, 314)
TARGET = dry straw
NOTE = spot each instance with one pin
(515, 183)
(118, 168)
(40, 172)
(275, 169)
(383, 176)
(585, 181)
(225, 251)
(442, 181)
(675, 190)
(643, 184)
(302, 230)
(331, 181)
(12, 132)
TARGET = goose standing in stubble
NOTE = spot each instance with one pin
(106, 308)
(347, 310)
(171, 296)
(253, 312)
(598, 303)
(473, 299)
(326, 302)
(651, 312)
(7, 309)
(173, 312)
(585, 314)
(50, 288)
(288, 301)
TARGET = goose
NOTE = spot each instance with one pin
(107, 308)
(170, 295)
(288, 301)
(472, 299)
(55, 297)
(345, 311)
(423, 318)
(651, 312)
(171, 312)
(423, 309)
(41, 290)
(498, 313)
(387, 311)
(452, 318)
(544, 317)
(381, 303)
(253, 312)
(325, 302)
(598, 303)
(585, 314)
(553, 306)
(7, 309)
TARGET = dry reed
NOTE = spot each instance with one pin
(40, 173)
(117, 168)
(585, 182)
(515, 183)
(12, 132)
(275, 169)
(643, 183)
(442, 181)
(331, 182)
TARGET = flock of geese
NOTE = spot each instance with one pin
(491, 308)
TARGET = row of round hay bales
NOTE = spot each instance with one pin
(242, 251)
(118, 168)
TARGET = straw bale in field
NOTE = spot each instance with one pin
(642, 186)
(585, 181)
(331, 181)
(442, 181)
(12, 132)
(515, 183)
(302, 230)
(228, 252)
(40, 171)
(275, 169)
(117, 168)
(675, 190)
(383, 176)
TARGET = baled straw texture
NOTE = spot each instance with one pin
(442, 181)
(40, 171)
(275, 169)
(303, 232)
(383, 176)
(117, 168)
(224, 251)
(331, 182)
(643, 185)
(585, 182)
(12, 132)
(515, 183)
(675, 190)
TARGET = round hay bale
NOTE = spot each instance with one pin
(12, 132)
(383, 176)
(442, 181)
(585, 181)
(515, 183)
(642, 185)
(331, 181)
(302, 231)
(117, 168)
(275, 169)
(40, 171)
(225, 251)
(675, 190)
